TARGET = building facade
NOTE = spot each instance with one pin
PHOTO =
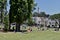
(45, 21)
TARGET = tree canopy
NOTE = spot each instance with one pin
(41, 14)
(20, 11)
(3, 4)
(55, 16)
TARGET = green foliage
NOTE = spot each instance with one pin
(30, 22)
(20, 11)
(55, 16)
(6, 22)
(30, 8)
(41, 14)
(3, 4)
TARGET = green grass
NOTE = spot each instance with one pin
(34, 35)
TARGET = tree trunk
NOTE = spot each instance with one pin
(9, 27)
(17, 27)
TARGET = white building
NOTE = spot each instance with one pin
(44, 21)
(41, 21)
(38, 20)
(51, 23)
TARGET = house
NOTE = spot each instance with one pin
(39, 20)
(45, 21)
(57, 22)
(36, 20)
(51, 23)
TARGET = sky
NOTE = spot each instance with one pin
(48, 6)
(8, 6)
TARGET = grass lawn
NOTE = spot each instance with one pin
(34, 35)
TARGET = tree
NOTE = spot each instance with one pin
(2, 8)
(19, 12)
(41, 14)
(55, 16)
(6, 22)
(3, 11)
(35, 14)
(30, 8)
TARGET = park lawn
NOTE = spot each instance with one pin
(34, 35)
